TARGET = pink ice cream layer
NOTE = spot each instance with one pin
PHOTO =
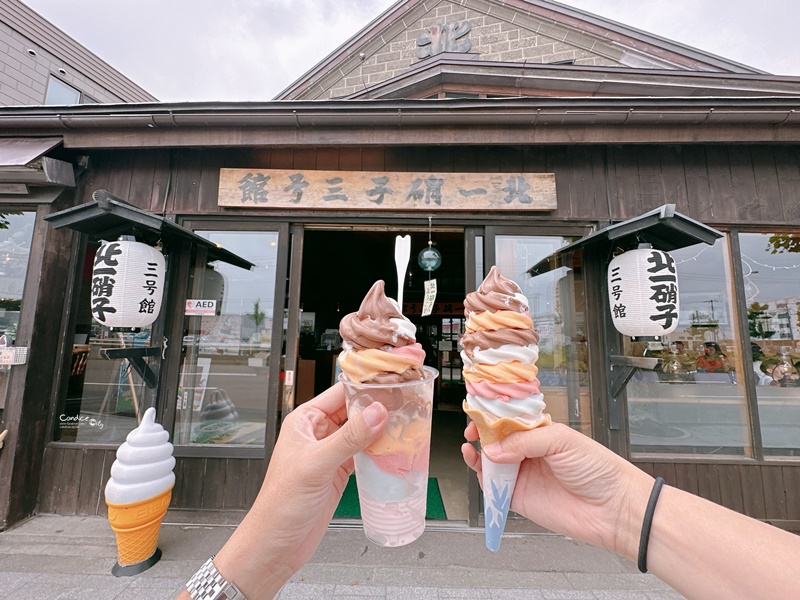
(401, 464)
(503, 391)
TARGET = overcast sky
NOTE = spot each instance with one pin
(250, 50)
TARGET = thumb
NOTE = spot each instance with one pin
(360, 430)
(534, 443)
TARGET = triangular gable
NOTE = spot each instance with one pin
(509, 31)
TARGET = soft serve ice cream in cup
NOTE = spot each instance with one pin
(382, 362)
(138, 493)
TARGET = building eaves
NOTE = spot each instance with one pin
(588, 80)
(354, 114)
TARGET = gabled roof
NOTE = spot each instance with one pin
(516, 31)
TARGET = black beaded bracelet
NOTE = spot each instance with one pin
(648, 522)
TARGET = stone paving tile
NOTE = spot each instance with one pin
(668, 595)
(567, 594)
(521, 594)
(615, 581)
(64, 564)
(359, 590)
(140, 594)
(465, 593)
(144, 582)
(618, 595)
(52, 591)
(336, 574)
(305, 591)
(394, 592)
(9, 581)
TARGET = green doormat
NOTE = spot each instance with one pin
(349, 508)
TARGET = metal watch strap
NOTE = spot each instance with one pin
(209, 584)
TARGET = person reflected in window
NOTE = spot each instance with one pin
(762, 378)
(713, 359)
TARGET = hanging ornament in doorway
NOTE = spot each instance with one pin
(429, 259)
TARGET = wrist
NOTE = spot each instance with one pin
(631, 514)
(256, 573)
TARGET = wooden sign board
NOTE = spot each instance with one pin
(389, 190)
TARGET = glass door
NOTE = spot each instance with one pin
(558, 308)
(231, 346)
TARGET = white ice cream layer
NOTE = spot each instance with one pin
(144, 465)
(529, 409)
(505, 353)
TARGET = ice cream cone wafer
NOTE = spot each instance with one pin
(500, 429)
(136, 526)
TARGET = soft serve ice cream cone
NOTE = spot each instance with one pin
(139, 490)
(382, 362)
(500, 349)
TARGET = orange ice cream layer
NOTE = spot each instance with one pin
(366, 364)
(504, 372)
(502, 319)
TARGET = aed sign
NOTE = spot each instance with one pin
(201, 308)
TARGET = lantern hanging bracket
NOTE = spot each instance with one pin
(624, 367)
(135, 357)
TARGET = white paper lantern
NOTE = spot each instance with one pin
(643, 293)
(127, 284)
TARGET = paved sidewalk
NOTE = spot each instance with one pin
(66, 558)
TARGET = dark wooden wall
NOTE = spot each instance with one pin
(767, 492)
(719, 185)
(77, 476)
(74, 480)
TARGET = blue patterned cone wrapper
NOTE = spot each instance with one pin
(498, 487)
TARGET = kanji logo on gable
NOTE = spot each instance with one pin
(201, 308)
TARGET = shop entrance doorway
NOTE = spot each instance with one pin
(338, 268)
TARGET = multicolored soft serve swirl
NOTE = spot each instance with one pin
(500, 349)
(379, 343)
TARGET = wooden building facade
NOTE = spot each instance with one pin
(616, 141)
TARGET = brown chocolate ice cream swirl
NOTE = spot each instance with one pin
(370, 326)
(494, 339)
(495, 293)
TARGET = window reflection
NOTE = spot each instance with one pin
(222, 396)
(105, 396)
(771, 273)
(692, 401)
(16, 231)
(557, 306)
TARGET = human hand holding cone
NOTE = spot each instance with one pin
(138, 494)
(500, 349)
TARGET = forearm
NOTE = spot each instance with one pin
(706, 551)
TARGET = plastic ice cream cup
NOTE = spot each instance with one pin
(392, 473)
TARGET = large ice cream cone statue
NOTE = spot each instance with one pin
(138, 494)
(500, 349)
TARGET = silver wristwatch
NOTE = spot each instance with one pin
(209, 584)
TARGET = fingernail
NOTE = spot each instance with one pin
(372, 414)
(493, 449)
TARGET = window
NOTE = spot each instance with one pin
(105, 397)
(223, 386)
(693, 401)
(16, 231)
(557, 305)
(771, 277)
(60, 92)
